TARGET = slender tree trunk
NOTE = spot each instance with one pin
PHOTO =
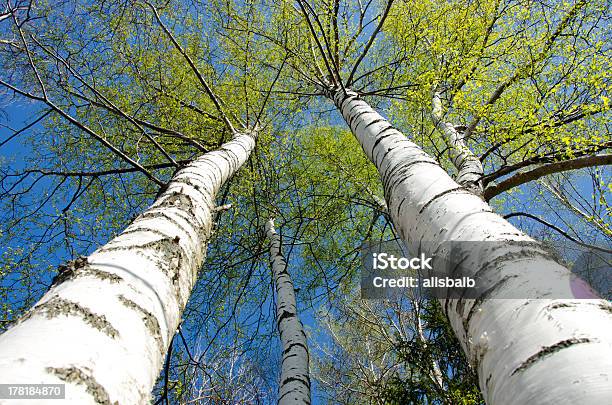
(105, 325)
(526, 351)
(436, 373)
(294, 387)
(469, 167)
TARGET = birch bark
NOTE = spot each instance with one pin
(294, 387)
(104, 327)
(469, 167)
(525, 351)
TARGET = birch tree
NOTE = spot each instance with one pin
(426, 204)
(157, 85)
(124, 302)
(295, 374)
(356, 354)
(529, 337)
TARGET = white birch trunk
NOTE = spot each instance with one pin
(103, 329)
(469, 167)
(294, 387)
(526, 351)
(436, 373)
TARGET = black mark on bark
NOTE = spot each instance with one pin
(77, 376)
(57, 306)
(549, 350)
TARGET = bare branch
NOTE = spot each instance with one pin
(550, 168)
(111, 105)
(194, 68)
(370, 42)
(330, 71)
(263, 105)
(548, 158)
(559, 230)
(98, 173)
(28, 126)
(86, 129)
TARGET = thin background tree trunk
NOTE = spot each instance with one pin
(294, 387)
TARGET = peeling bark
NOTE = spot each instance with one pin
(104, 326)
(498, 335)
(294, 387)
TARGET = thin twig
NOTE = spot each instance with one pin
(559, 230)
(370, 42)
(194, 68)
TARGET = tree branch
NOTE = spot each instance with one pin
(559, 230)
(98, 173)
(194, 68)
(521, 71)
(557, 120)
(86, 129)
(550, 168)
(548, 158)
(332, 76)
(370, 42)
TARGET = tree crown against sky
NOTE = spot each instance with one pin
(119, 97)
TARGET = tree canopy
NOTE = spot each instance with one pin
(103, 101)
